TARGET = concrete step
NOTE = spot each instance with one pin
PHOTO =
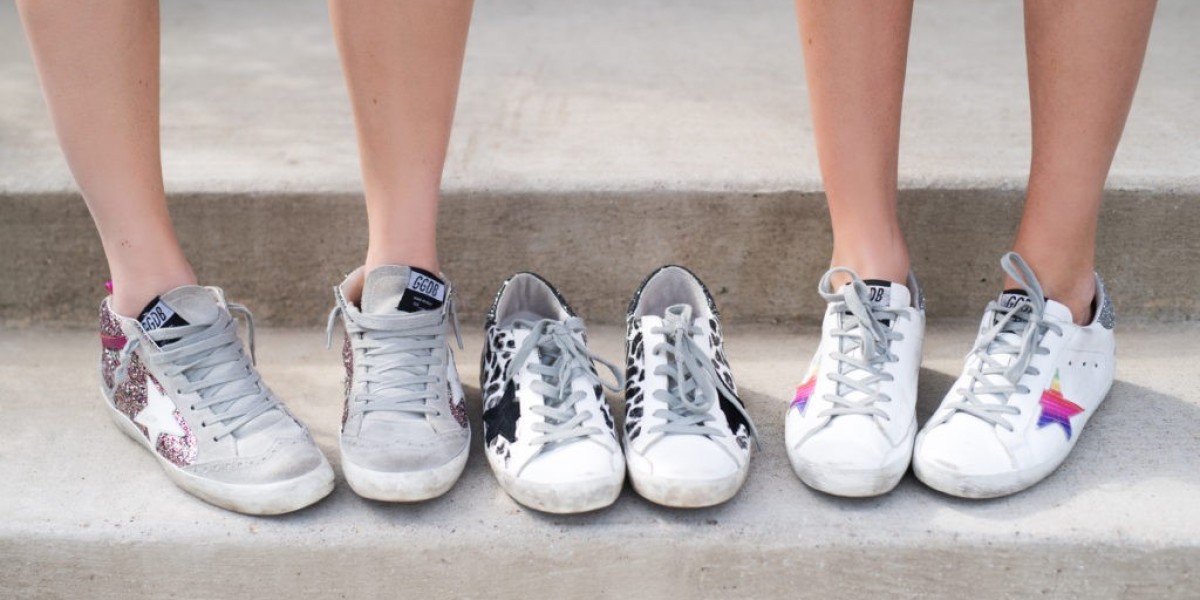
(593, 143)
(87, 513)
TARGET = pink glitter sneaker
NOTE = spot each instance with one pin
(178, 381)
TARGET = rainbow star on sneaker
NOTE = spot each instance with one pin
(1056, 408)
(804, 391)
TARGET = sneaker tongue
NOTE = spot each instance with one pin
(679, 315)
(1010, 299)
(887, 294)
(1054, 310)
(1013, 298)
(187, 305)
(392, 289)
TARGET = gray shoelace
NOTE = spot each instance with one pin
(400, 366)
(212, 361)
(864, 335)
(689, 401)
(564, 358)
(1003, 352)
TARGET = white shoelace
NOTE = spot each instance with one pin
(212, 361)
(864, 337)
(689, 402)
(1003, 352)
(399, 366)
(564, 359)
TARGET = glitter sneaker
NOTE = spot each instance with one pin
(404, 434)
(850, 428)
(548, 430)
(687, 434)
(1028, 387)
(178, 381)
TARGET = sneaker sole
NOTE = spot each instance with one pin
(856, 483)
(982, 487)
(405, 486)
(687, 493)
(561, 498)
(274, 498)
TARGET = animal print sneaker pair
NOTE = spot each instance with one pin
(178, 380)
(1028, 387)
(549, 434)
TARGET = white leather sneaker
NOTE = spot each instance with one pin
(548, 430)
(1028, 387)
(850, 428)
(687, 433)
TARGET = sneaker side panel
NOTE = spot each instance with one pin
(501, 411)
(139, 389)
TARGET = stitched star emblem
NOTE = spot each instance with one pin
(1056, 408)
(159, 415)
(805, 390)
(501, 419)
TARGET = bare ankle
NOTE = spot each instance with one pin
(131, 294)
(889, 265)
(1071, 286)
(426, 260)
(1078, 297)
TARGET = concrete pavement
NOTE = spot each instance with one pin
(572, 96)
(88, 513)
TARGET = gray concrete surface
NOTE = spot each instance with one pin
(761, 254)
(570, 96)
(593, 143)
(86, 512)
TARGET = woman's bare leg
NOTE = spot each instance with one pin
(1084, 60)
(98, 61)
(855, 52)
(402, 60)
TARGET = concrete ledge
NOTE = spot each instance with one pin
(88, 513)
(761, 253)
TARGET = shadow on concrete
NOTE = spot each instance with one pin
(1134, 437)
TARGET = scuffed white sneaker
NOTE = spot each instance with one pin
(1029, 385)
(179, 382)
(548, 430)
(849, 430)
(404, 431)
(687, 433)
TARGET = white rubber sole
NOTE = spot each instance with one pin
(274, 498)
(405, 486)
(687, 493)
(982, 486)
(560, 498)
(856, 483)
(995, 485)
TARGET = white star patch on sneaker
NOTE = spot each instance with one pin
(159, 415)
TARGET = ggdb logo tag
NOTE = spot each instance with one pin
(424, 292)
(424, 285)
(157, 316)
